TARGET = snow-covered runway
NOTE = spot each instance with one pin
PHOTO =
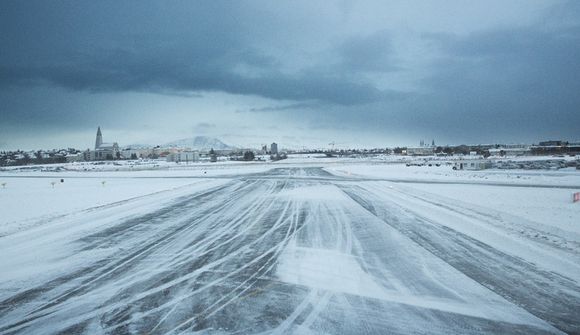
(289, 250)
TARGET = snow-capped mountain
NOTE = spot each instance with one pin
(199, 143)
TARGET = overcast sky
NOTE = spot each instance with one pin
(366, 73)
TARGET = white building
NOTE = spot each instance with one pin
(273, 148)
(129, 153)
(472, 164)
(102, 150)
(183, 156)
(420, 151)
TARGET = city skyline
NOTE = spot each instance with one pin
(189, 143)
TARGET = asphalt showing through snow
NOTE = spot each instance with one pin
(291, 250)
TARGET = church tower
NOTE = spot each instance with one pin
(99, 140)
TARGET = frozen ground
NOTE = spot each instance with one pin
(564, 178)
(309, 248)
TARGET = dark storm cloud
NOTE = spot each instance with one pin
(368, 53)
(283, 108)
(313, 59)
(510, 84)
(215, 56)
(123, 71)
(522, 81)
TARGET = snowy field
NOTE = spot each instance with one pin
(306, 246)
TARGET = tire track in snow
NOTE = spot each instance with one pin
(548, 296)
(210, 264)
(223, 243)
(98, 273)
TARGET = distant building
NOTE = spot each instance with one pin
(223, 152)
(183, 156)
(212, 156)
(102, 150)
(99, 140)
(574, 149)
(510, 151)
(420, 151)
(273, 148)
(129, 153)
(552, 143)
(473, 164)
(74, 158)
(556, 148)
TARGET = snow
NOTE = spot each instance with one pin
(445, 174)
(310, 245)
(329, 270)
(27, 200)
(348, 267)
(551, 209)
(139, 168)
(525, 213)
(49, 217)
(34, 194)
(326, 269)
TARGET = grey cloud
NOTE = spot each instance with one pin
(165, 74)
(499, 82)
(518, 81)
(283, 108)
(204, 56)
(204, 128)
(369, 53)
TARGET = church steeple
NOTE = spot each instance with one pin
(99, 140)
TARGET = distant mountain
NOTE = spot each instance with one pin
(199, 143)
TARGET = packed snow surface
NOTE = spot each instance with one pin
(309, 247)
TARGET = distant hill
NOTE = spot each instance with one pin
(199, 143)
